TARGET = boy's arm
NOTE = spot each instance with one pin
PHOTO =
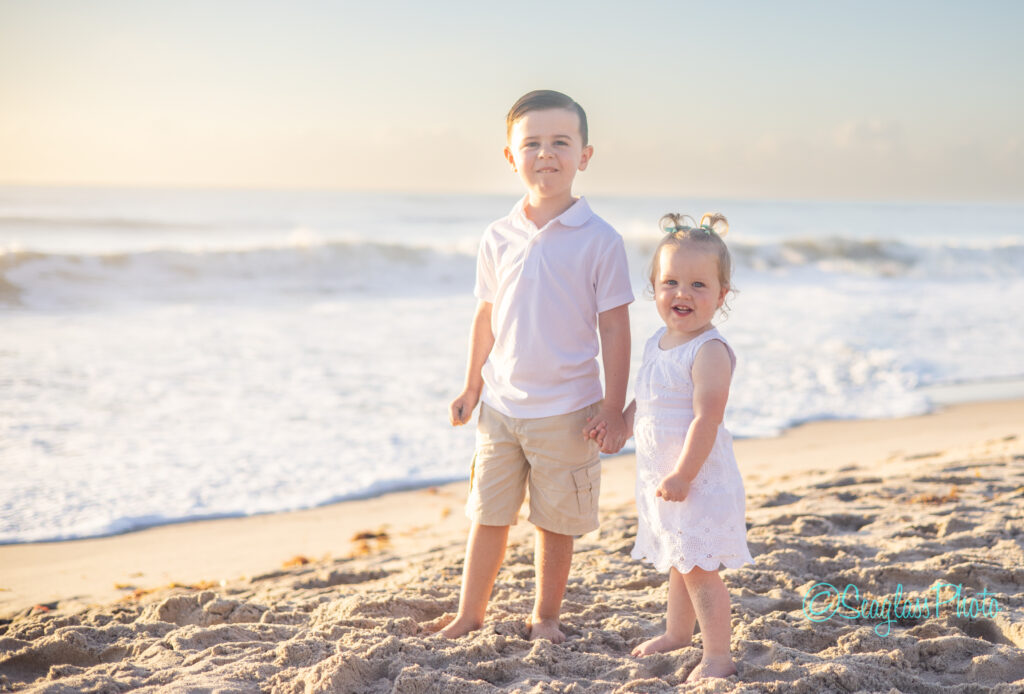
(613, 327)
(481, 340)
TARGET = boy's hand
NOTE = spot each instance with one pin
(675, 487)
(461, 408)
(612, 434)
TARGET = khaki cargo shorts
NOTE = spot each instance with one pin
(563, 471)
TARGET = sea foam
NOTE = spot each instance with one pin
(172, 355)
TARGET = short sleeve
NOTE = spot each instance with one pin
(486, 280)
(732, 354)
(715, 336)
(611, 279)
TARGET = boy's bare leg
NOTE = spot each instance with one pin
(552, 559)
(679, 621)
(711, 603)
(485, 551)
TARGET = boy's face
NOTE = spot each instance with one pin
(546, 149)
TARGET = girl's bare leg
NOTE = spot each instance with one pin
(711, 603)
(679, 620)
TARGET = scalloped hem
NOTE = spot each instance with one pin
(712, 564)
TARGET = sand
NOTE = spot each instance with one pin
(345, 598)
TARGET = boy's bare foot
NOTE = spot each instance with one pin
(545, 629)
(459, 627)
(659, 644)
(712, 667)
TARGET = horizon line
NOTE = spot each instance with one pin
(240, 188)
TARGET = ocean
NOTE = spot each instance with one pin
(170, 355)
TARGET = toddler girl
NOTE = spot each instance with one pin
(689, 493)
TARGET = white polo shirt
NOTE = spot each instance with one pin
(547, 286)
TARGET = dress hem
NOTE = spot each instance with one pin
(716, 563)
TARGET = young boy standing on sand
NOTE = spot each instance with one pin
(551, 277)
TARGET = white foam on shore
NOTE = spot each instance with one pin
(143, 382)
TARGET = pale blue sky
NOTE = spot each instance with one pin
(857, 100)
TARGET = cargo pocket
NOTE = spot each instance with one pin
(588, 486)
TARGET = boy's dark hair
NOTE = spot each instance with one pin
(543, 99)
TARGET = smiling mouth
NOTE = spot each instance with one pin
(547, 170)
(682, 310)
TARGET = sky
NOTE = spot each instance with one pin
(894, 100)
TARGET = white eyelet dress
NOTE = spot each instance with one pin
(708, 528)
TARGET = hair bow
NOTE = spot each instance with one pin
(715, 224)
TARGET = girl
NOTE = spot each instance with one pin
(689, 493)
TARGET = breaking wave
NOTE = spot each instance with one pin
(36, 279)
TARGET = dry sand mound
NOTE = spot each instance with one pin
(364, 624)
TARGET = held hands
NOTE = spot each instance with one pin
(461, 408)
(608, 428)
(675, 487)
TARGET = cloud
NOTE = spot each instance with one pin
(871, 135)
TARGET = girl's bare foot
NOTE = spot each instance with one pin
(460, 626)
(545, 629)
(659, 644)
(712, 667)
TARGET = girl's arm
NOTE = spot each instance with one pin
(629, 416)
(481, 340)
(712, 372)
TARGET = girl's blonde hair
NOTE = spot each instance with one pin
(707, 235)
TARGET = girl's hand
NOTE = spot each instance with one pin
(595, 429)
(461, 408)
(608, 429)
(675, 487)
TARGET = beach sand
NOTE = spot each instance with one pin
(344, 598)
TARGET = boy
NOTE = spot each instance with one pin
(551, 276)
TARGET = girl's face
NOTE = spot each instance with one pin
(687, 290)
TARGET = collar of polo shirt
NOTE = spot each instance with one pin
(576, 216)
